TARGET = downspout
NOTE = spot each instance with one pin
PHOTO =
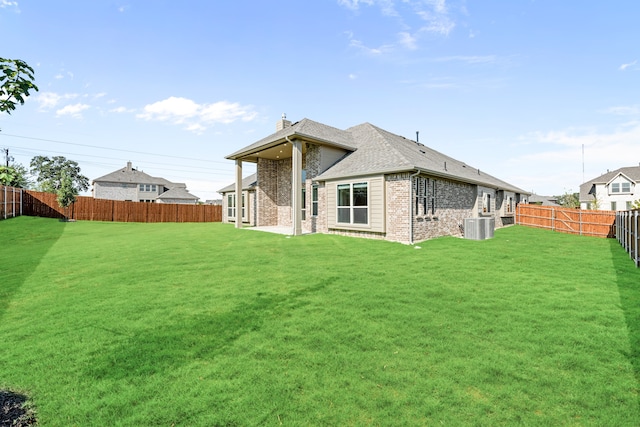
(411, 204)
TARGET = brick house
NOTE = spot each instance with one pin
(134, 185)
(362, 181)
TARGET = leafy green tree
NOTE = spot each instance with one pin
(67, 193)
(636, 204)
(14, 175)
(16, 80)
(50, 172)
(569, 199)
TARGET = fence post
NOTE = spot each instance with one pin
(636, 238)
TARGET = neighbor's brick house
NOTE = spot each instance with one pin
(363, 181)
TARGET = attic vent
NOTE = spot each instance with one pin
(423, 152)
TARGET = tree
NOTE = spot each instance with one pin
(14, 175)
(66, 194)
(50, 173)
(569, 200)
(16, 80)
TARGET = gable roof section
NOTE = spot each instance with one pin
(130, 176)
(380, 151)
(304, 129)
(248, 183)
(178, 193)
(631, 172)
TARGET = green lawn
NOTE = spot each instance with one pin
(112, 324)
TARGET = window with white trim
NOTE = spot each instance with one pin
(353, 203)
(486, 203)
(231, 205)
(314, 200)
(304, 203)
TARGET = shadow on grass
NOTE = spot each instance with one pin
(25, 242)
(628, 280)
(202, 337)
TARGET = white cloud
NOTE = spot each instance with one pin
(472, 59)
(74, 110)
(352, 76)
(602, 150)
(407, 40)
(7, 4)
(625, 110)
(49, 100)
(196, 117)
(353, 4)
(120, 110)
(625, 66)
(433, 18)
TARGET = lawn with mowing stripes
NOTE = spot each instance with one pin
(126, 324)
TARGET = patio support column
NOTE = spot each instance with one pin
(296, 187)
(238, 193)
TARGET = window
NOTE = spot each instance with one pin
(231, 206)
(626, 187)
(420, 189)
(314, 200)
(614, 205)
(148, 187)
(629, 206)
(304, 203)
(353, 203)
(486, 203)
(433, 196)
(615, 187)
(509, 204)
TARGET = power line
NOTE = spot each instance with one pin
(109, 148)
(203, 169)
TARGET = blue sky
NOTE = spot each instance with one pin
(515, 88)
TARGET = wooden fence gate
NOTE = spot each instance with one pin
(565, 220)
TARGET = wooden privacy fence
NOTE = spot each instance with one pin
(627, 233)
(35, 203)
(565, 220)
(10, 202)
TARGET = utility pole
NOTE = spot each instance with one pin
(6, 156)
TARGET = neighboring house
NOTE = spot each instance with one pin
(615, 190)
(363, 181)
(133, 185)
(536, 199)
(248, 213)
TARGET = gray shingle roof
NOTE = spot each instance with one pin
(304, 129)
(130, 176)
(373, 150)
(178, 193)
(248, 183)
(380, 151)
(631, 172)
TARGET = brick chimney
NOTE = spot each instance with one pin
(129, 167)
(283, 123)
